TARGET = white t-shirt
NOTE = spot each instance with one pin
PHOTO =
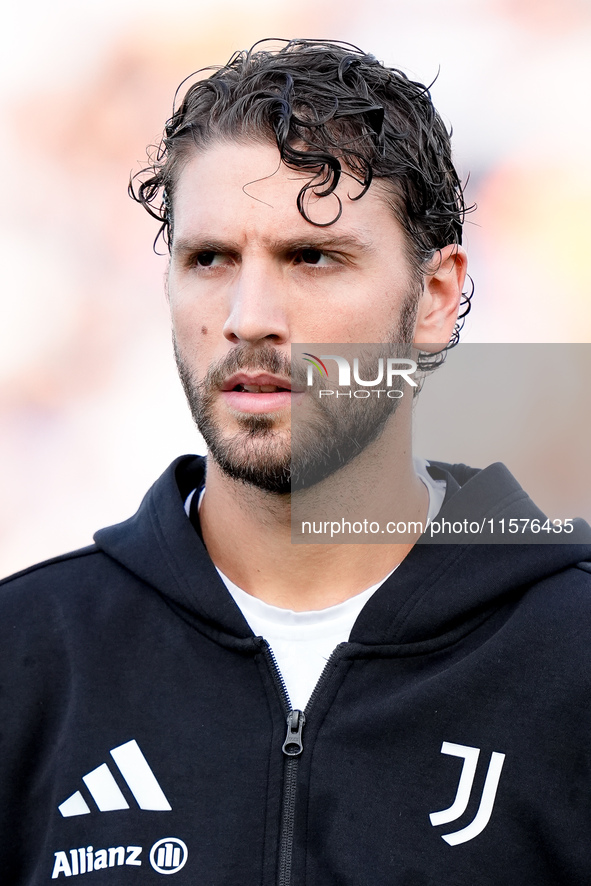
(302, 642)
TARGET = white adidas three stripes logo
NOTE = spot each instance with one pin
(107, 794)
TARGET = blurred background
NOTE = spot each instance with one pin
(91, 411)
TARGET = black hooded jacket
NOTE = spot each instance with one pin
(144, 731)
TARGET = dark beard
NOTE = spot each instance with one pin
(241, 456)
(328, 439)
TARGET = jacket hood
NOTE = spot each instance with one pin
(437, 592)
(160, 546)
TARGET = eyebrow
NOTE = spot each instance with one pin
(316, 240)
(319, 240)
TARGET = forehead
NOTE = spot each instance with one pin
(245, 185)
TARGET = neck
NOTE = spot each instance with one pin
(255, 537)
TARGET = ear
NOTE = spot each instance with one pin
(440, 302)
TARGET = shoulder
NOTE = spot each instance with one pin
(56, 574)
(41, 607)
(59, 574)
(555, 616)
(45, 566)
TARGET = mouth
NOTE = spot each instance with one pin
(258, 392)
(260, 383)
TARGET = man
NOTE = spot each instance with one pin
(197, 694)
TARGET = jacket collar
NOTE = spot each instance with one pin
(437, 589)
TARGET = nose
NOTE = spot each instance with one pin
(257, 310)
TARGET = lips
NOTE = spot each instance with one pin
(257, 393)
(258, 383)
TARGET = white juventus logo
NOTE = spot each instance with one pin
(460, 804)
(107, 794)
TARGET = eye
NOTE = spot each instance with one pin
(208, 259)
(311, 256)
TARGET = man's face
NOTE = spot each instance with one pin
(249, 276)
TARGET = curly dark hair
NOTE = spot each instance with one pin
(331, 109)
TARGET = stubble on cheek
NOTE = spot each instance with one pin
(256, 452)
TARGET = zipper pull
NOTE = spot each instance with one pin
(292, 746)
